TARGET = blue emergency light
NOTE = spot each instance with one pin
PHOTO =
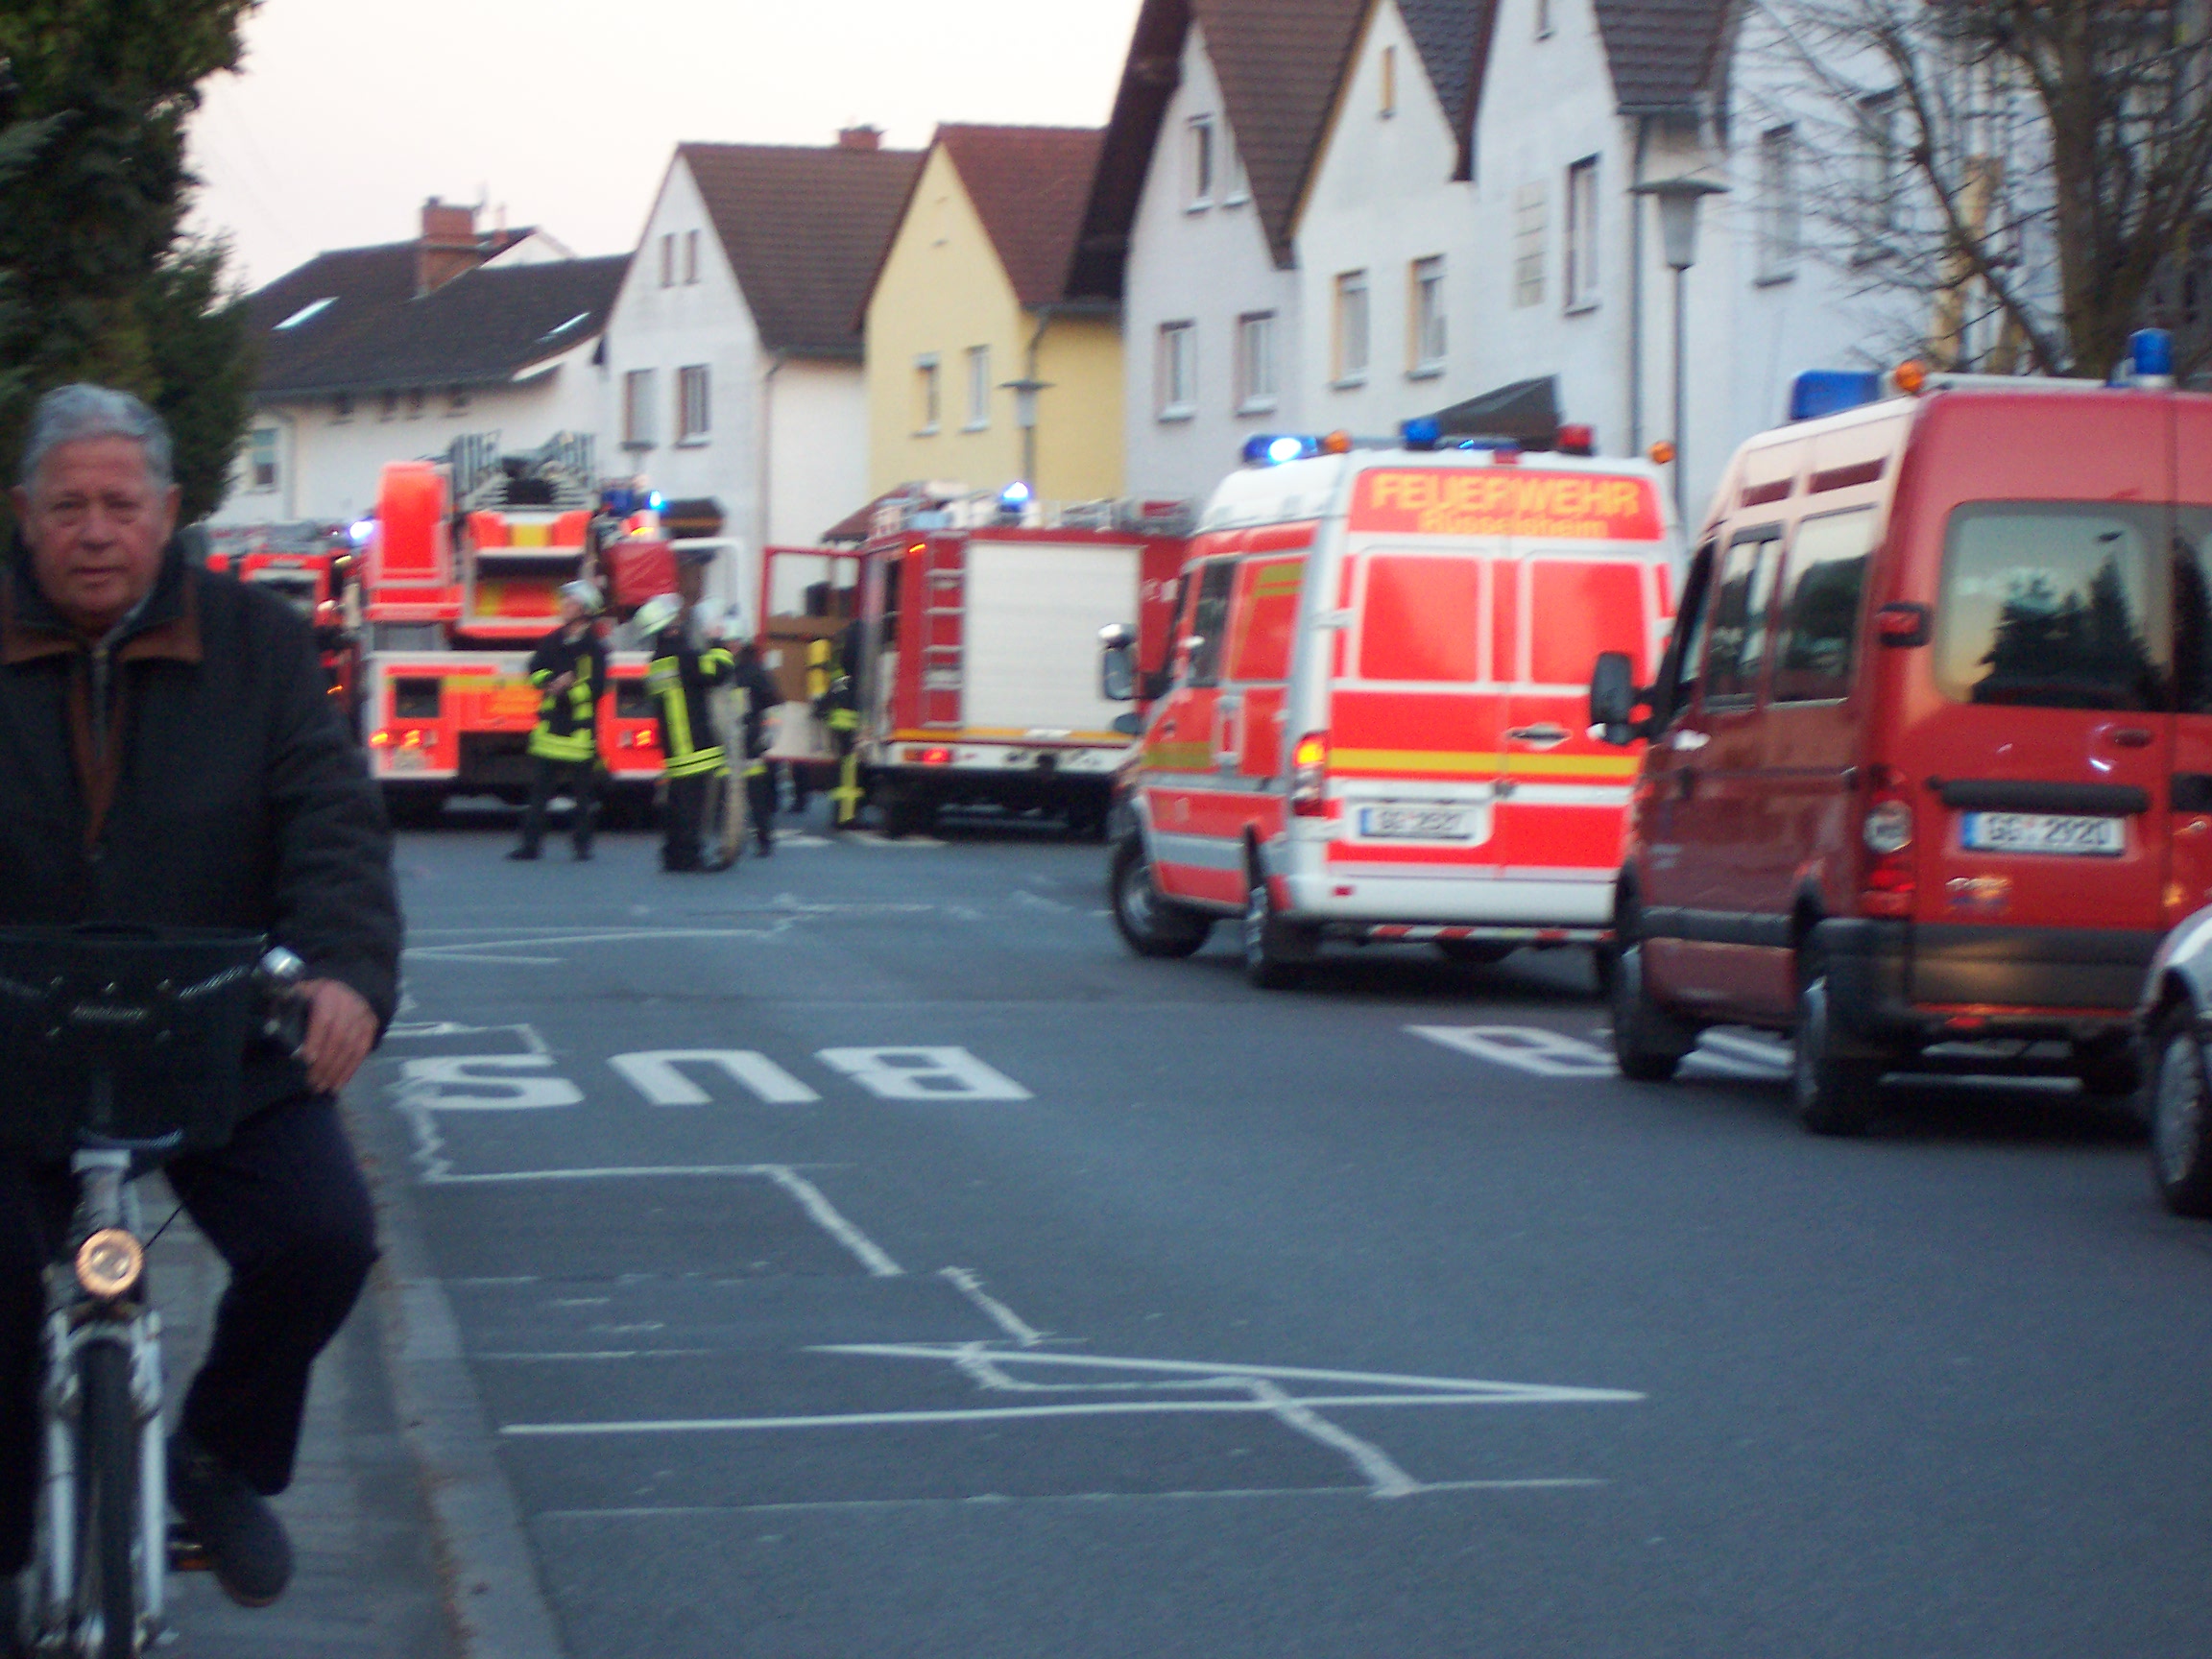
(360, 530)
(1422, 432)
(1275, 448)
(2150, 350)
(1819, 392)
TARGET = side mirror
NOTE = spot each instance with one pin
(1127, 723)
(1118, 662)
(1613, 698)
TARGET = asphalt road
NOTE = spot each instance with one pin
(859, 1253)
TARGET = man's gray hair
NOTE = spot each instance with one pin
(70, 413)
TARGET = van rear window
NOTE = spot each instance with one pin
(2045, 605)
(1421, 619)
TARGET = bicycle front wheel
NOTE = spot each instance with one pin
(108, 1534)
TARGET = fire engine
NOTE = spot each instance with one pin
(977, 628)
(310, 566)
(457, 584)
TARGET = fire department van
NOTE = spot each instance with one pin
(1371, 727)
(1930, 757)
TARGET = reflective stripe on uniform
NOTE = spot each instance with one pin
(575, 746)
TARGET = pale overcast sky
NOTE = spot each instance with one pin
(565, 111)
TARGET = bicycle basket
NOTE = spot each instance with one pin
(135, 1035)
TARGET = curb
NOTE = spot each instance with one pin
(496, 1604)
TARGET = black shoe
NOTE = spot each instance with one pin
(767, 845)
(233, 1523)
(523, 853)
(583, 854)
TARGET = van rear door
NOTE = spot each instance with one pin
(2041, 766)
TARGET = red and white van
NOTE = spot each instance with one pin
(1372, 724)
(1930, 757)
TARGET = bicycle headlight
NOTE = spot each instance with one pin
(110, 1263)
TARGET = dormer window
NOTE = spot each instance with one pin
(308, 312)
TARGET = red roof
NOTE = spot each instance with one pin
(1030, 185)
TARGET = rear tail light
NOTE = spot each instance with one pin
(1310, 776)
(1886, 832)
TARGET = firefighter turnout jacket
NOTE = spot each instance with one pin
(680, 678)
(568, 719)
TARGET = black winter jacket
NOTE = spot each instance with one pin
(226, 794)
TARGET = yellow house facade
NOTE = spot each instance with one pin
(969, 324)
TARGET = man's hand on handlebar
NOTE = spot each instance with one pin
(341, 1030)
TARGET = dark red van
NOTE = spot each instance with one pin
(1931, 746)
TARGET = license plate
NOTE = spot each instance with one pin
(2044, 833)
(1418, 823)
(408, 760)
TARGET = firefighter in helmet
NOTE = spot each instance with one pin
(688, 663)
(837, 706)
(569, 669)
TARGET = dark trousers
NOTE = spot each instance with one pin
(581, 778)
(285, 1205)
(686, 809)
(760, 801)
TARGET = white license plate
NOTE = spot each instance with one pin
(2044, 833)
(1419, 823)
(408, 760)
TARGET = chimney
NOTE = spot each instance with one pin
(860, 138)
(449, 247)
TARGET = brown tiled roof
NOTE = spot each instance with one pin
(1663, 51)
(1030, 186)
(1278, 63)
(376, 334)
(805, 228)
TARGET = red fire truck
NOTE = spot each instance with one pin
(309, 566)
(455, 596)
(977, 643)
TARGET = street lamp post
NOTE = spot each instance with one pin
(1678, 200)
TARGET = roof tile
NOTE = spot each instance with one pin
(1663, 51)
(1030, 186)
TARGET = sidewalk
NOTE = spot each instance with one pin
(365, 1584)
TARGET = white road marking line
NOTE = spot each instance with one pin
(694, 1511)
(1036, 902)
(874, 838)
(1764, 1057)
(995, 1413)
(1531, 1049)
(970, 1285)
(501, 1357)
(1384, 1478)
(826, 1216)
(654, 1075)
(1505, 1392)
(923, 1073)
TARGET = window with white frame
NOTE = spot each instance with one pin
(1778, 206)
(1350, 334)
(1881, 166)
(1582, 268)
(1529, 214)
(1425, 338)
(978, 388)
(929, 395)
(262, 458)
(1199, 137)
(693, 412)
(1388, 78)
(691, 257)
(638, 409)
(668, 259)
(1236, 183)
(1256, 362)
(1175, 374)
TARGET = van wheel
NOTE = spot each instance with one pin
(1648, 1043)
(1276, 951)
(1149, 925)
(2181, 1115)
(1830, 1093)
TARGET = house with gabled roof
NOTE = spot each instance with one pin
(1191, 224)
(985, 367)
(391, 352)
(735, 355)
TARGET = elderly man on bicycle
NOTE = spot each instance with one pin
(169, 757)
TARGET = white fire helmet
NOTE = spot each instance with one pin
(657, 613)
(580, 593)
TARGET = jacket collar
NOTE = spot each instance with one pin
(165, 628)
